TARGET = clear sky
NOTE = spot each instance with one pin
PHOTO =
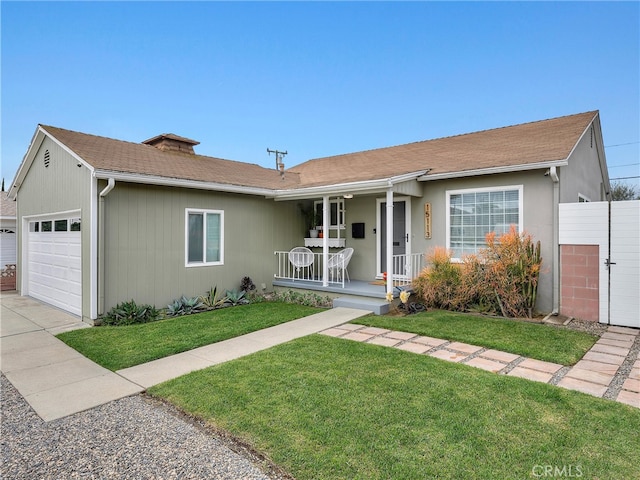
(315, 78)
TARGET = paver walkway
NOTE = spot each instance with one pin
(593, 374)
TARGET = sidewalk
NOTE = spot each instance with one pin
(594, 374)
(58, 381)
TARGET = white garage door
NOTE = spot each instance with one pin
(54, 272)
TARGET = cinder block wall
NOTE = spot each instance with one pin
(579, 283)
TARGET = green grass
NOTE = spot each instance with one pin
(538, 341)
(326, 408)
(121, 347)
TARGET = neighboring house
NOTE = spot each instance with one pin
(154, 220)
(7, 230)
(7, 242)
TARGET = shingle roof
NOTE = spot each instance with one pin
(7, 206)
(527, 143)
(126, 157)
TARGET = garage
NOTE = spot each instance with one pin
(53, 261)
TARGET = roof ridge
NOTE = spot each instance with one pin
(594, 112)
(144, 145)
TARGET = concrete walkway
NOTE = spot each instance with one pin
(594, 374)
(58, 381)
(53, 378)
(158, 371)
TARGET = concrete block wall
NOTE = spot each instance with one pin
(579, 281)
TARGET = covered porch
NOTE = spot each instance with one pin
(365, 243)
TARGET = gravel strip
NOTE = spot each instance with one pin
(132, 438)
(623, 372)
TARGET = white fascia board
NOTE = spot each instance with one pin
(34, 146)
(36, 141)
(582, 135)
(494, 170)
(368, 186)
(178, 182)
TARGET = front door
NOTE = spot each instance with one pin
(401, 235)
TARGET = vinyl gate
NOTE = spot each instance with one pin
(609, 234)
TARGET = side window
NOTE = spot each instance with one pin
(204, 242)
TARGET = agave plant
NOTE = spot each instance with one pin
(236, 297)
(210, 300)
(184, 306)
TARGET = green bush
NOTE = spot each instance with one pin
(128, 313)
(307, 299)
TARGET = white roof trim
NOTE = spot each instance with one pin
(29, 157)
(493, 170)
(178, 182)
(367, 186)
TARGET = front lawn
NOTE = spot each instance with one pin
(542, 342)
(329, 408)
(121, 347)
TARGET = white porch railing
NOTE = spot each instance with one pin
(308, 273)
(406, 267)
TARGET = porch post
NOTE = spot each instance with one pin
(389, 233)
(325, 241)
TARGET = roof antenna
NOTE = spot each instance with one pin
(279, 155)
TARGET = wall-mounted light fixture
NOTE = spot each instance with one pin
(348, 195)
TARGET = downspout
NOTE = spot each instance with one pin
(556, 239)
(111, 183)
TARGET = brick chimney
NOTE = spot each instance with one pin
(168, 142)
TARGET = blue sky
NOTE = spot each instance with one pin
(315, 78)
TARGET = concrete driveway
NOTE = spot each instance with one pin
(53, 378)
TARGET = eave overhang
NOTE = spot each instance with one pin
(493, 170)
(339, 189)
(181, 183)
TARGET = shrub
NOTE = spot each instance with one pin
(501, 278)
(514, 269)
(235, 297)
(307, 298)
(246, 284)
(476, 294)
(128, 313)
(185, 306)
(439, 282)
(211, 299)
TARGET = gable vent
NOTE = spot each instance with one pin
(47, 159)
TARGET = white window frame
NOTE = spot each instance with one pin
(449, 193)
(340, 213)
(204, 213)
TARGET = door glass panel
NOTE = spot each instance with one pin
(60, 225)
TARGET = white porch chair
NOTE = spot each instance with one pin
(301, 258)
(339, 262)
